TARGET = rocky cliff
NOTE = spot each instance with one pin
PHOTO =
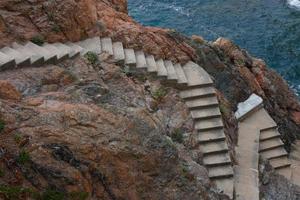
(82, 131)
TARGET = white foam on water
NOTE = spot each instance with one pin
(294, 4)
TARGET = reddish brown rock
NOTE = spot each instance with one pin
(8, 91)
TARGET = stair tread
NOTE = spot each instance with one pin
(197, 92)
(48, 56)
(91, 44)
(214, 147)
(271, 143)
(180, 74)
(205, 112)
(129, 57)
(280, 162)
(273, 153)
(211, 135)
(76, 50)
(106, 45)
(261, 116)
(140, 60)
(161, 69)
(220, 171)
(171, 70)
(67, 50)
(196, 75)
(152, 67)
(118, 51)
(59, 53)
(202, 102)
(217, 159)
(19, 58)
(268, 134)
(206, 124)
(286, 172)
(6, 61)
(35, 58)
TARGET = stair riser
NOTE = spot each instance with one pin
(268, 138)
(282, 166)
(203, 106)
(270, 148)
(217, 164)
(201, 86)
(206, 117)
(221, 176)
(215, 152)
(7, 66)
(273, 157)
(25, 63)
(209, 128)
(212, 140)
(199, 96)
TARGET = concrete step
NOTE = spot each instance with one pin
(182, 80)
(225, 186)
(248, 176)
(196, 75)
(130, 59)
(286, 172)
(140, 60)
(77, 50)
(214, 147)
(118, 50)
(211, 136)
(172, 76)
(209, 124)
(91, 44)
(36, 59)
(270, 144)
(261, 116)
(216, 159)
(49, 57)
(152, 67)
(273, 153)
(206, 113)
(220, 171)
(59, 54)
(247, 158)
(72, 52)
(202, 102)
(107, 46)
(280, 162)
(269, 134)
(161, 69)
(20, 59)
(197, 92)
(6, 62)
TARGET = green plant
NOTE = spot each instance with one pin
(17, 138)
(78, 195)
(177, 135)
(2, 125)
(159, 94)
(23, 157)
(55, 28)
(13, 192)
(91, 57)
(38, 40)
(51, 194)
(1, 173)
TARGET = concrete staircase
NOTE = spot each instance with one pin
(196, 89)
(258, 136)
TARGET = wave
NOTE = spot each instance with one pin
(294, 4)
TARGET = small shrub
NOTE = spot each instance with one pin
(17, 138)
(78, 195)
(177, 136)
(159, 94)
(92, 57)
(50, 194)
(38, 40)
(23, 157)
(55, 28)
(13, 192)
(2, 125)
(1, 173)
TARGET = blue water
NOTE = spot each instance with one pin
(268, 29)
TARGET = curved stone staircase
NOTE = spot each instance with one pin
(258, 136)
(196, 89)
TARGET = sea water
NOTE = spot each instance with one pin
(268, 29)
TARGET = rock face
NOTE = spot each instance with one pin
(71, 20)
(96, 132)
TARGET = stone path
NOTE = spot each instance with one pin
(196, 89)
